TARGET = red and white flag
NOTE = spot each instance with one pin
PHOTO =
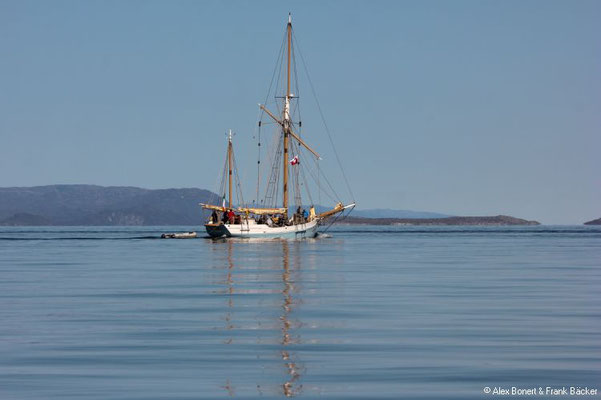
(294, 161)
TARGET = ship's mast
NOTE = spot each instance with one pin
(286, 119)
(229, 162)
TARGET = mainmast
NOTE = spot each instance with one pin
(229, 163)
(286, 121)
(286, 118)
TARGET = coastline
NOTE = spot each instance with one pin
(498, 220)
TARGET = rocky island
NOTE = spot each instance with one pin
(594, 222)
(480, 221)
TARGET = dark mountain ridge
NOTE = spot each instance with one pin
(99, 205)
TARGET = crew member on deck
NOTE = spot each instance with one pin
(224, 218)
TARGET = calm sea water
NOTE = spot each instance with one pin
(369, 312)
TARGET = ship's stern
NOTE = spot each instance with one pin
(217, 230)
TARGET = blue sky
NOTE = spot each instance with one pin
(462, 107)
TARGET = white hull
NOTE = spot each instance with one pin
(251, 229)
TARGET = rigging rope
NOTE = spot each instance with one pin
(348, 186)
(239, 196)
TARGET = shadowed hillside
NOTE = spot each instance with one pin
(98, 205)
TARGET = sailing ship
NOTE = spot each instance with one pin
(270, 218)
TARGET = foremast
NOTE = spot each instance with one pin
(230, 173)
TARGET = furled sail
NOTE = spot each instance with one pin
(262, 211)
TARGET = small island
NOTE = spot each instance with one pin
(594, 222)
(498, 220)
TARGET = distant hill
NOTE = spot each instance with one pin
(492, 221)
(98, 205)
(123, 205)
(594, 222)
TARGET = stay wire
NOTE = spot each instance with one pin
(277, 67)
(348, 186)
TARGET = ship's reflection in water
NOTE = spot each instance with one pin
(261, 283)
(291, 386)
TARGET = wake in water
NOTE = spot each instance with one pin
(323, 235)
(79, 238)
